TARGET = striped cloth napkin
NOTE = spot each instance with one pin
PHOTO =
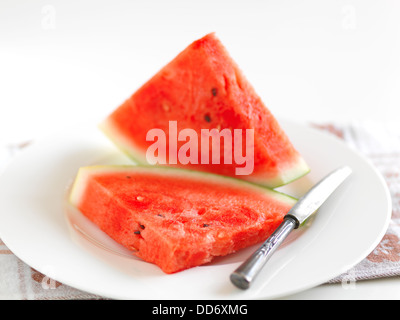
(378, 142)
(381, 144)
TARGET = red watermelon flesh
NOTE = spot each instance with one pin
(174, 218)
(203, 88)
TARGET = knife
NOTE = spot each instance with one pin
(245, 274)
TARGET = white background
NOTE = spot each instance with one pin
(310, 61)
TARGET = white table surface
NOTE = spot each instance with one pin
(310, 61)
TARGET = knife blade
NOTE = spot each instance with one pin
(245, 274)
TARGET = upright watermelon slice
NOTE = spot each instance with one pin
(177, 218)
(203, 88)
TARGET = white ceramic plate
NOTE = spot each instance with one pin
(36, 226)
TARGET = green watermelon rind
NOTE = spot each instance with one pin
(296, 170)
(84, 172)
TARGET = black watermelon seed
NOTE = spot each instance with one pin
(137, 232)
(214, 91)
(207, 117)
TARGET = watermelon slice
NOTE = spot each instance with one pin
(203, 88)
(177, 218)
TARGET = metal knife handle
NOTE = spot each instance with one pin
(248, 270)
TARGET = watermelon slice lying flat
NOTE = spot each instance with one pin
(177, 218)
(203, 88)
